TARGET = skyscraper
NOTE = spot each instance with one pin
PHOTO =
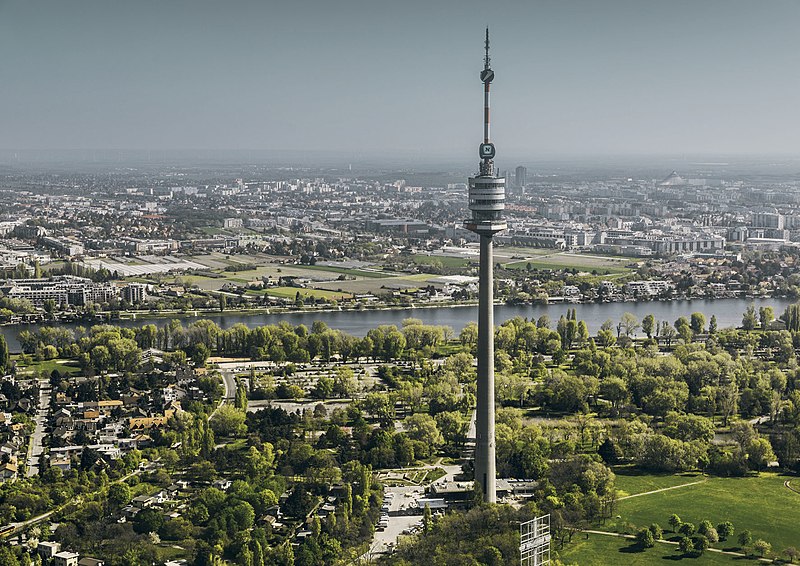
(520, 176)
(487, 193)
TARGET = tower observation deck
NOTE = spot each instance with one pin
(487, 201)
(487, 192)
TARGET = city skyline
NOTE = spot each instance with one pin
(577, 78)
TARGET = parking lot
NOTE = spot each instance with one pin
(404, 497)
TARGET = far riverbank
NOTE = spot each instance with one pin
(359, 322)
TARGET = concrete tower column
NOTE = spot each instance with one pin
(485, 449)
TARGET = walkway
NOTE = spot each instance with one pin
(662, 489)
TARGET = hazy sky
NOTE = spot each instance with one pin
(572, 77)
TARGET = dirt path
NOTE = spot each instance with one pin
(663, 489)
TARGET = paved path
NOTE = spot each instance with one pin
(788, 486)
(673, 543)
(662, 489)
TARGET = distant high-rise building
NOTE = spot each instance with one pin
(520, 176)
(768, 219)
(487, 194)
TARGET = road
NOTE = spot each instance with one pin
(35, 448)
(228, 373)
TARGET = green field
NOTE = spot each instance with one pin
(607, 550)
(291, 292)
(444, 260)
(551, 259)
(46, 367)
(630, 482)
(762, 505)
(559, 263)
(346, 271)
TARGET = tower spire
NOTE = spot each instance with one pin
(487, 61)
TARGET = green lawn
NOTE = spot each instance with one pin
(291, 292)
(606, 550)
(630, 481)
(761, 505)
(445, 261)
(563, 263)
(345, 270)
(46, 367)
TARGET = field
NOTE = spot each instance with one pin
(46, 367)
(629, 482)
(603, 265)
(444, 260)
(595, 550)
(324, 280)
(291, 293)
(762, 505)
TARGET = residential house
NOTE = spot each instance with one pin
(66, 558)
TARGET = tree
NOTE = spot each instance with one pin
(762, 547)
(4, 355)
(629, 323)
(241, 396)
(749, 319)
(119, 494)
(423, 428)
(700, 543)
(765, 316)
(712, 324)
(745, 539)
(148, 521)
(427, 519)
(453, 427)
(228, 421)
(685, 545)
(687, 529)
(792, 554)
(698, 322)
(645, 539)
(469, 334)
(658, 532)
(725, 530)
(675, 522)
(649, 325)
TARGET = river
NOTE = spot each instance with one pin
(728, 313)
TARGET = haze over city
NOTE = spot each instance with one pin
(399, 283)
(397, 79)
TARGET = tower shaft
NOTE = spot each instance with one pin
(485, 463)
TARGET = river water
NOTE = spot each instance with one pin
(728, 313)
